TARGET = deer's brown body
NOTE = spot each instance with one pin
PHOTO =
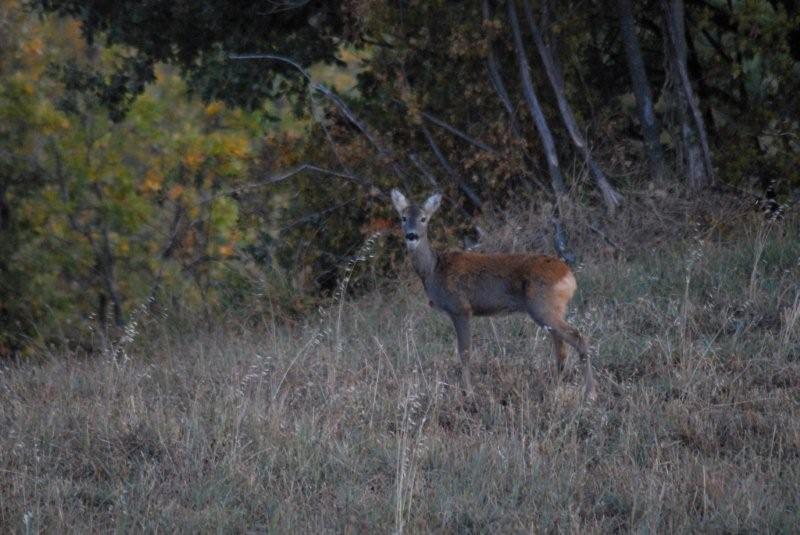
(489, 284)
(465, 284)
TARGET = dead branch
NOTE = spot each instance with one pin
(387, 155)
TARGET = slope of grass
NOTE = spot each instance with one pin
(352, 420)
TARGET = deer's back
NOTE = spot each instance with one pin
(497, 283)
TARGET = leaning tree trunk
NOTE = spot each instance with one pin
(496, 79)
(556, 178)
(697, 153)
(641, 89)
(610, 196)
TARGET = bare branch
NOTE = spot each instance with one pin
(603, 235)
(463, 186)
(289, 173)
(459, 133)
(424, 169)
(385, 153)
(312, 216)
(279, 6)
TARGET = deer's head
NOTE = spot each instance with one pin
(414, 218)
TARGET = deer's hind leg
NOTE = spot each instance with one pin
(552, 318)
(560, 352)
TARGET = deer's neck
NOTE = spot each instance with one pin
(424, 258)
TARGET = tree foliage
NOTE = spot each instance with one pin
(100, 215)
(142, 155)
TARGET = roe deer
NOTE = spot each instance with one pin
(464, 285)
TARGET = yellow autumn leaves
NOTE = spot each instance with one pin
(146, 193)
(228, 150)
(153, 180)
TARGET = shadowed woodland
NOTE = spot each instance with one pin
(208, 320)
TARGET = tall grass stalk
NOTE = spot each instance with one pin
(790, 327)
(410, 449)
(759, 243)
(363, 254)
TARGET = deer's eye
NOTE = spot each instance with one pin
(403, 219)
(422, 220)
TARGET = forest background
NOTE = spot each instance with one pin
(144, 164)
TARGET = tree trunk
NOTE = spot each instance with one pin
(641, 89)
(610, 196)
(500, 88)
(697, 157)
(496, 79)
(546, 137)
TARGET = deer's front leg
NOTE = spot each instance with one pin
(461, 324)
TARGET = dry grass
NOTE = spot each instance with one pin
(351, 423)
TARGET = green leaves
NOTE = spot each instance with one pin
(198, 36)
(106, 206)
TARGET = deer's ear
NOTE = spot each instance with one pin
(432, 204)
(399, 200)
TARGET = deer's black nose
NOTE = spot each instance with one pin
(412, 236)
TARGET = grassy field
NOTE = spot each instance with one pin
(352, 421)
